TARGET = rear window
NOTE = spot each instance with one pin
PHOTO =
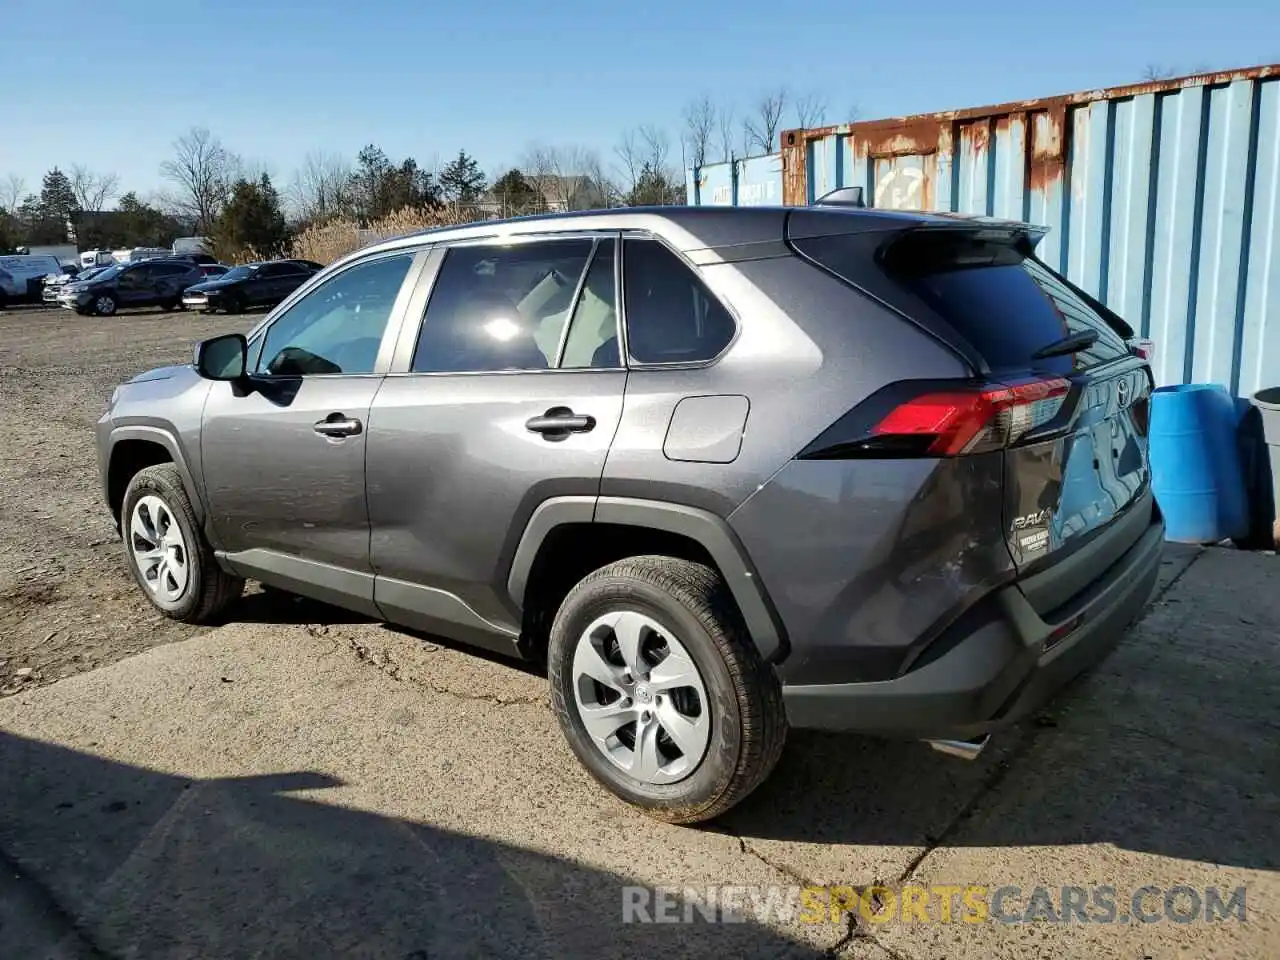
(1006, 304)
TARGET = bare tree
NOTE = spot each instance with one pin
(699, 128)
(809, 110)
(321, 186)
(657, 147)
(558, 174)
(725, 131)
(600, 187)
(763, 125)
(12, 189)
(1154, 71)
(630, 151)
(93, 190)
(202, 172)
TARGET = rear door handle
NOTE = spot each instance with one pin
(558, 422)
(336, 425)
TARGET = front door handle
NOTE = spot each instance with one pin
(337, 426)
(558, 422)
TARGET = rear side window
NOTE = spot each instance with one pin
(1006, 304)
(671, 315)
(498, 307)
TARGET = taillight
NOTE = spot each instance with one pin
(1143, 348)
(955, 422)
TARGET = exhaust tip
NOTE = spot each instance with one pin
(964, 749)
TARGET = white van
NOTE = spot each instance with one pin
(184, 245)
(20, 276)
(96, 258)
(140, 253)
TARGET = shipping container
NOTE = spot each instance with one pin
(744, 182)
(1162, 199)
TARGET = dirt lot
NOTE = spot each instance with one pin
(301, 782)
(67, 604)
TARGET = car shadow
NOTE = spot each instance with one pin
(103, 858)
(1155, 751)
(270, 606)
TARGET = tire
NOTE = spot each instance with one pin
(691, 605)
(205, 589)
(104, 305)
(233, 303)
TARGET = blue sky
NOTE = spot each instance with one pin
(274, 81)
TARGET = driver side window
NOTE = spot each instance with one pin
(337, 328)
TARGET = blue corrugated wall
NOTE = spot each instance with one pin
(1163, 201)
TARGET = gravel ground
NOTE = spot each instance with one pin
(67, 604)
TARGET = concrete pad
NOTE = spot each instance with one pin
(260, 792)
(1162, 774)
(343, 789)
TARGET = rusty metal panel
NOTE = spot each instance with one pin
(1162, 199)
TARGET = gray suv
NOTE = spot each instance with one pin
(723, 471)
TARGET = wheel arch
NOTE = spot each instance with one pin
(654, 527)
(137, 447)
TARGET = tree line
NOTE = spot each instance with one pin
(210, 190)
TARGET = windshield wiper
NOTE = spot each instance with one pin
(1072, 344)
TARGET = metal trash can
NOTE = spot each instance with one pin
(1268, 404)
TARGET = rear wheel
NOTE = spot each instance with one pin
(167, 552)
(660, 691)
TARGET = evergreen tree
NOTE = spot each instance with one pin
(461, 180)
(251, 221)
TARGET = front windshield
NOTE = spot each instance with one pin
(110, 273)
(239, 273)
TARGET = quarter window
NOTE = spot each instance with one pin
(671, 315)
(502, 307)
(593, 331)
(338, 326)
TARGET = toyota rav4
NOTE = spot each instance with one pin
(723, 471)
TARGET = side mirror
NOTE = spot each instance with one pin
(222, 358)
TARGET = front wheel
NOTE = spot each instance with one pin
(167, 552)
(660, 691)
(104, 305)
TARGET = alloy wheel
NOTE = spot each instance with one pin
(159, 549)
(641, 698)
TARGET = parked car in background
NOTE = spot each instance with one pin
(54, 283)
(22, 276)
(250, 285)
(54, 286)
(724, 470)
(211, 270)
(200, 258)
(147, 283)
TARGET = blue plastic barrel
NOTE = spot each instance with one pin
(1195, 464)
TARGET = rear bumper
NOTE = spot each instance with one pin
(1005, 669)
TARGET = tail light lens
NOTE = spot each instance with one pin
(956, 422)
(1144, 348)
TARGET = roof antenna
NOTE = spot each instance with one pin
(843, 197)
